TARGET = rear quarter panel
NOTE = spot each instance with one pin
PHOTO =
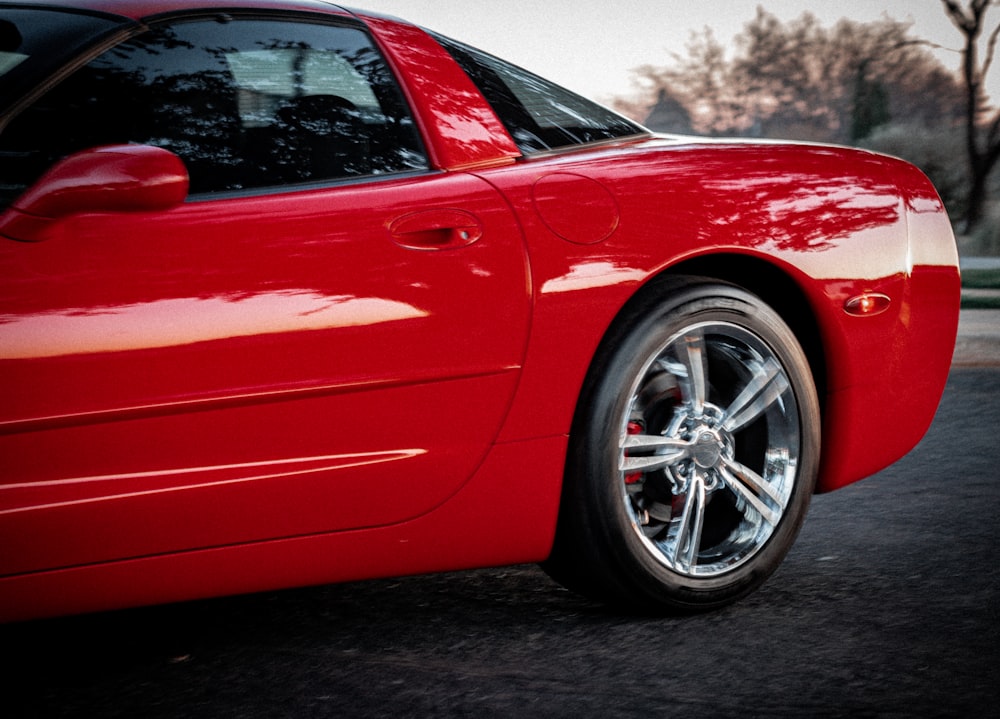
(837, 223)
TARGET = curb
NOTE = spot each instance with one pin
(978, 342)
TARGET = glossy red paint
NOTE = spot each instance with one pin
(457, 535)
(123, 178)
(379, 378)
(461, 130)
(592, 217)
(143, 391)
(819, 215)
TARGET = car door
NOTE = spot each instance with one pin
(324, 337)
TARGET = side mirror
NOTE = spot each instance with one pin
(115, 178)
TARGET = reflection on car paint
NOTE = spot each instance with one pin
(588, 275)
(17, 497)
(178, 322)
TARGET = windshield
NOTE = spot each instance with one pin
(36, 41)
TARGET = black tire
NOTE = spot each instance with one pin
(693, 454)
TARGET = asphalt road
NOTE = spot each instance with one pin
(887, 607)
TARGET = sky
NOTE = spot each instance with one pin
(591, 46)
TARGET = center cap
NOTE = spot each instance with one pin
(706, 450)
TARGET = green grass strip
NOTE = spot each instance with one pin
(981, 279)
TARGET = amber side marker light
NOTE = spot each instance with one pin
(867, 305)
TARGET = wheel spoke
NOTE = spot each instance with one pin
(692, 521)
(695, 361)
(708, 424)
(761, 392)
(670, 451)
(750, 486)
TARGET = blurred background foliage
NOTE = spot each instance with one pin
(872, 85)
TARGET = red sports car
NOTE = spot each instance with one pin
(295, 294)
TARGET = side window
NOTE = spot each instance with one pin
(538, 114)
(246, 103)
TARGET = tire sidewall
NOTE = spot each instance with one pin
(644, 333)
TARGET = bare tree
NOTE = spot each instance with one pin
(701, 81)
(805, 81)
(982, 132)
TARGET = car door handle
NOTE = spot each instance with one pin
(438, 229)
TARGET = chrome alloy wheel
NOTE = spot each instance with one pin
(708, 449)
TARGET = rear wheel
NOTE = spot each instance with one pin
(693, 455)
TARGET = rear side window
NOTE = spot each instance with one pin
(246, 103)
(538, 114)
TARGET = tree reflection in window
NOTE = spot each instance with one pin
(246, 103)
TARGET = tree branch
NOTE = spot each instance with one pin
(991, 47)
(958, 17)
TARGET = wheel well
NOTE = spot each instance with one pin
(600, 546)
(777, 289)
